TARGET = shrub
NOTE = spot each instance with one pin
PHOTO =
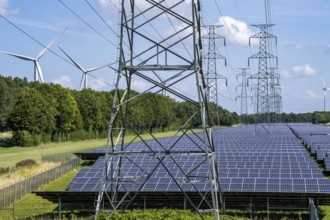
(25, 163)
(22, 138)
(4, 170)
(36, 140)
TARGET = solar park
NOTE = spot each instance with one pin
(267, 171)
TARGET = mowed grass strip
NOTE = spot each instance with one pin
(9, 156)
(7, 134)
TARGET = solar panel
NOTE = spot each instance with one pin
(247, 163)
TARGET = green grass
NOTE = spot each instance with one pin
(9, 156)
(325, 212)
(61, 183)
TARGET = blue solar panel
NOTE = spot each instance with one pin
(247, 162)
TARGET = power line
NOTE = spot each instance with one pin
(34, 39)
(104, 21)
(225, 24)
(44, 46)
(85, 22)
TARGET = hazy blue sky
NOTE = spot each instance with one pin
(301, 26)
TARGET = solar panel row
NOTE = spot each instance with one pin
(317, 140)
(247, 163)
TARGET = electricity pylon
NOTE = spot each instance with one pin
(177, 57)
(275, 94)
(212, 75)
(244, 94)
(262, 77)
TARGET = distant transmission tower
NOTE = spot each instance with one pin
(244, 94)
(263, 105)
(275, 94)
(185, 164)
(212, 75)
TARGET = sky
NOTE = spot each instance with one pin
(301, 28)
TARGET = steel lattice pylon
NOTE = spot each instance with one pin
(275, 94)
(244, 94)
(263, 105)
(162, 62)
(212, 76)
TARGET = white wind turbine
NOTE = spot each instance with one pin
(37, 69)
(83, 83)
(325, 94)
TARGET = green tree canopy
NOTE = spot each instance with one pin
(31, 113)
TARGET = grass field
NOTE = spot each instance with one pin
(9, 156)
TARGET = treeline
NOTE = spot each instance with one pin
(40, 113)
(283, 118)
(321, 117)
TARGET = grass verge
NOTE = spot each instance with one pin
(24, 172)
(33, 205)
(9, 156)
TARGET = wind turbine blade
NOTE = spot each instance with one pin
(50, 44)
(324, 83)
(18, 56)
(328, 88)
(325, 93)
(73, 61)
(96, 68)
(39, 71)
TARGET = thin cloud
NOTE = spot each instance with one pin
(298, 72)
(47, 26)
(309, 95)
(97, 84)
(139, 85)
(4, 10)
(298, 46)
(64, 81)
(327, 50)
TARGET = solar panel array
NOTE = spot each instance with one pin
(267, 163)
(317, 140)
(247, 162)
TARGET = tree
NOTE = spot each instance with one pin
(31, 113)
(91, 110)
(5, 103)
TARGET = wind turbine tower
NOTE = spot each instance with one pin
(38, 75)
(84, 80)
(325, 88)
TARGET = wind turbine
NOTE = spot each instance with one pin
(325, 94)
(83, 83)
(37, 69)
